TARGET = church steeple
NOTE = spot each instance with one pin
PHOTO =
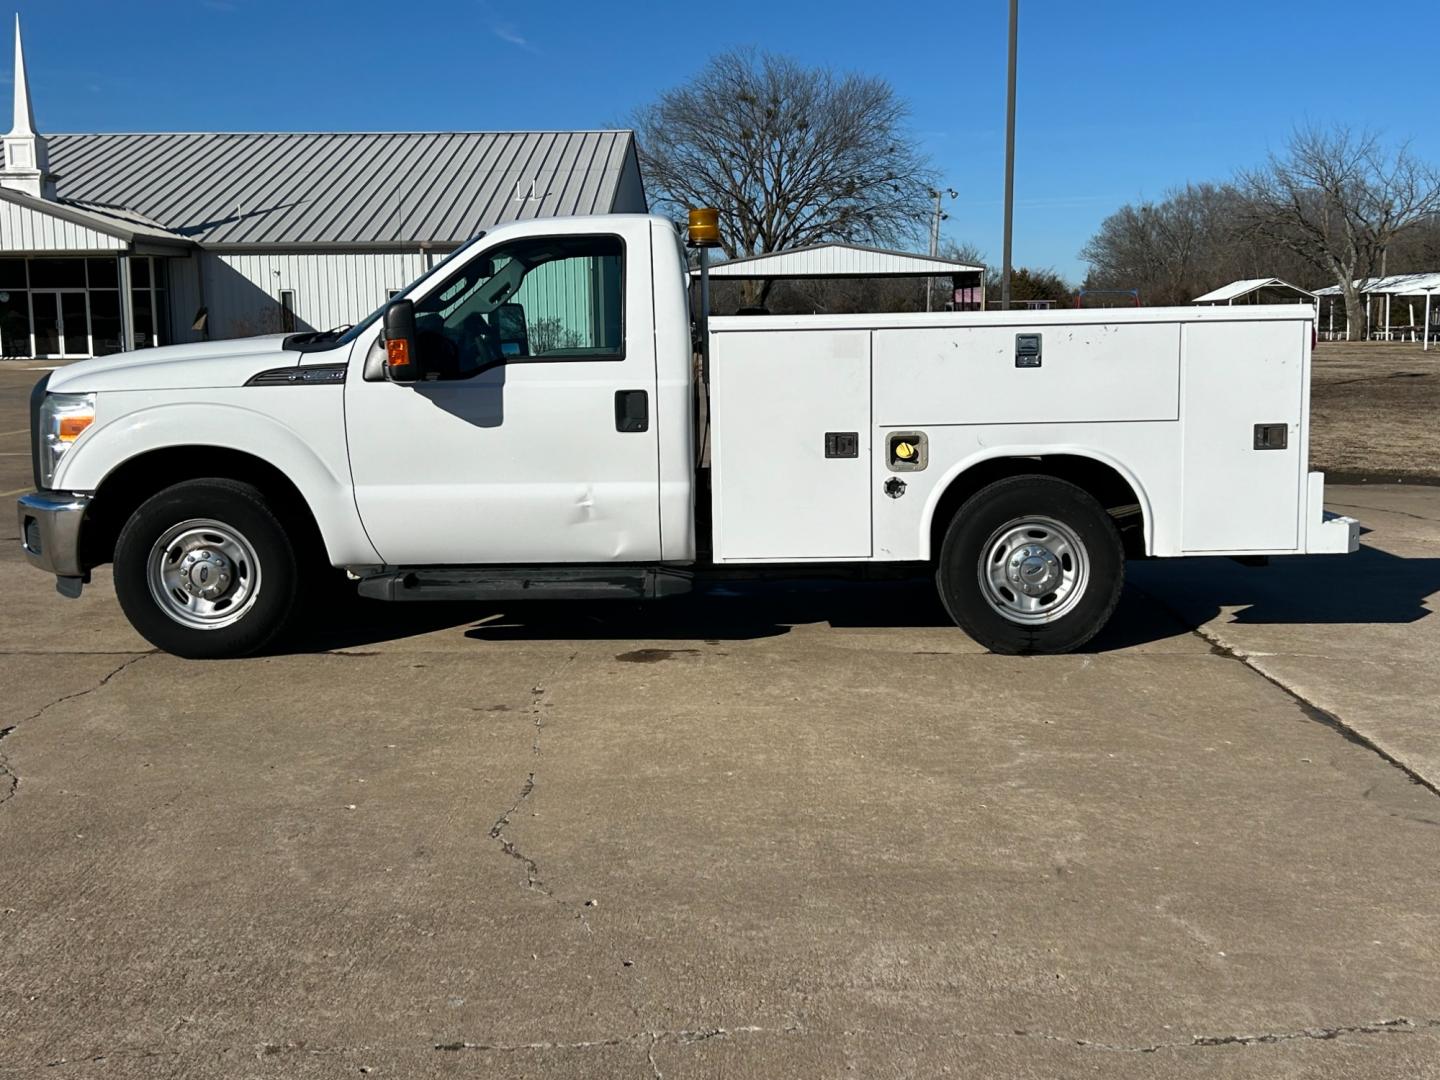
(27, 165)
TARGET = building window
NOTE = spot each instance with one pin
(105, 321)
(150, 298)
(14, 309)
(69, 306)
(287, 311)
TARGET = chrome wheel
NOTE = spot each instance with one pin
(203, 574)
(1033, 570)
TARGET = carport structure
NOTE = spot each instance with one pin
(837, 260)
(1271, 290)
(1412, 290)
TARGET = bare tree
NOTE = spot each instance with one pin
(789, 155)
(551, 335)
(1175, 249)
(1339, 199)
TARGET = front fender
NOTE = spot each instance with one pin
(1026, 450)
(131, 424)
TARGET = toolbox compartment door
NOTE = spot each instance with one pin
(791, 445)
(1075, 373)
(1237, 497)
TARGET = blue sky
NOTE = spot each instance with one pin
(1118, 100)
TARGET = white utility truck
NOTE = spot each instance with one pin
(522, 423)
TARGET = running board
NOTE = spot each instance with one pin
(527, 583)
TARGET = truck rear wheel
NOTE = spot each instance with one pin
(205, 570)
(1031, 564)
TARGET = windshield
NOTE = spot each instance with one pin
(324, 340)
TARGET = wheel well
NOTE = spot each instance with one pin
(1109, 487)
(132, 482)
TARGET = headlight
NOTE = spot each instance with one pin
(63, 419)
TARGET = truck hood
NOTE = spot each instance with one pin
(199, 366)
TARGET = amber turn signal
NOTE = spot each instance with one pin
(397, 352)
(705, 228)
(71, 427)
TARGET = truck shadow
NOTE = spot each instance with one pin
(1164, 599)
(1369, 586)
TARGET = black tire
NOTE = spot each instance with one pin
(977, 542)
(240, 508)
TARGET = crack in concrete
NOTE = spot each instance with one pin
(1312, 711)
(539, 694)
(8, 777)
(497, 832)
(652, 1038)
(1384, 510)
(1399, 1026)
(92, 1059)
(1308, 708)
(515, 1048)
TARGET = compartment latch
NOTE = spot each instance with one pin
(1027, 350)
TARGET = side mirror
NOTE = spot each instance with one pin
(402, 354)
(511, 330)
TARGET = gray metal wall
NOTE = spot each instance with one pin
(25, 230)
(183, 281)
(630, 191)
(242, 289)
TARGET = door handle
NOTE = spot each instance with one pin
(632, 410)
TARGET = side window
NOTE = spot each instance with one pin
(539, 299)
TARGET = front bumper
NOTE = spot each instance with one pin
(50, 534)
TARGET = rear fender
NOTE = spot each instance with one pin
(1031, 451)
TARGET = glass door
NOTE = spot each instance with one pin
(75, 324)
(45, 319)
(61, 322)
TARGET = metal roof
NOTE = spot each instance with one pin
(1395, 285)
(1238, 289)
(355, 189)
(838, 260)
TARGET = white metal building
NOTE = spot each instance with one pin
(1400, 307)
(118, 241)
(837, 260)
(1269, 290)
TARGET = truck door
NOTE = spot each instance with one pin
(534, 441)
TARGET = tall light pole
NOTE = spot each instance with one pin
(1009, 159)
(940, 216)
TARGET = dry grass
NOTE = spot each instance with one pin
(1375, 411)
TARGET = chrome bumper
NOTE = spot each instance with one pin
(50, 534)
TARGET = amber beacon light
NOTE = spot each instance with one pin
(705, 228)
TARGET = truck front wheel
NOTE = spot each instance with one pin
(205, 570)
(1031, 564)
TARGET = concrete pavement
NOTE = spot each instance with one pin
(795, 831)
